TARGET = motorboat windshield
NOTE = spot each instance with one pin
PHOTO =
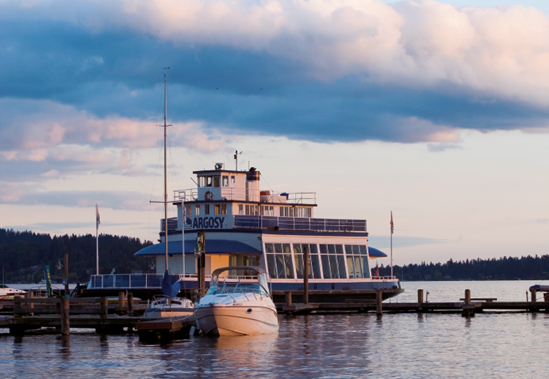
(242, 279)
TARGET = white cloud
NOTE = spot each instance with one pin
(496, 51)
(59, 132)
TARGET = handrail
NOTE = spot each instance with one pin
(300, 223)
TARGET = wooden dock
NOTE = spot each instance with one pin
(66, 313)
(467, 306)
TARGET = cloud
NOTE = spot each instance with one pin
(125, 200)
(318, 70)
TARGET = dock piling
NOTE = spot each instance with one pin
(65, 316)
(121, 299)
(379, 302)
(289, 298)
(104, 301)
(468, 308)
(130, 304)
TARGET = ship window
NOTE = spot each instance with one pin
(201, 181)
(314, 264)
(240, 209)
(188, 210)
(197, 210)
(333, 261)
(217, 209)
(208, 181)
(225, 181)
(281, 211)
(232, 179)
(216, 181)
(223, 209)
(206, 209)
(279, 260)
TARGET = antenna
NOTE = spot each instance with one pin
(236, 154)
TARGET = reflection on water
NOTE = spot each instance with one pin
(337, 345)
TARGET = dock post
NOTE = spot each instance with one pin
(379, 302)
(533, 295)
(130, 304)
(467, 309)
(289, 298)
(121, 299)
(65, 326)
(306, 275)
(104, 310)
(30, 295)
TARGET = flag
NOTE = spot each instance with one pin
(97, 217)
(392, 225)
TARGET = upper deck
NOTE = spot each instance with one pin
(226, 199)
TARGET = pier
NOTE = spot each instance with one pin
(468, 306)
(61, 314)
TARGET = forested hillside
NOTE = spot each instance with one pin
(506, 268)
(23, 255)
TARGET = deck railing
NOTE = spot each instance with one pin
(300, 223)
(124, 281)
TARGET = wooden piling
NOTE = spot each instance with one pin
(65, 317)
(31, 305)
(104, 312)
(379, 302)
(420, 296)
(533, 295)
(121, 299)
(289, 298)
(306, 275)
(66, 275)
(130, 304)
(468, 308)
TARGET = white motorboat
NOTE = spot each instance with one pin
(238, 303)
(7, 291)
(163, 306)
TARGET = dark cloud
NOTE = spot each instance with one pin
(119, 72)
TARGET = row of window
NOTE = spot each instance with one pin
(331, 263)
(214, 181)
(249, 210)
(218, 209)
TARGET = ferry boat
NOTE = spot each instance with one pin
(246, 226)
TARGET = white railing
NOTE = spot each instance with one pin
(123, 281)
(190, 194)
(299, 223)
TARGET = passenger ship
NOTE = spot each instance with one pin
(245, 226)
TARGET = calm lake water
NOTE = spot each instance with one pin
(499, 345)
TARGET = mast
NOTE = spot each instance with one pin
(165, 170)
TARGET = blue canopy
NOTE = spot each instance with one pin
(212, 247)
(375, 253)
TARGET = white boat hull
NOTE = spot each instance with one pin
(237, 320)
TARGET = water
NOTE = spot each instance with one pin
(500, 345)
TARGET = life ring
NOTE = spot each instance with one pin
(208, 196)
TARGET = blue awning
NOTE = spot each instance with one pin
(212, 247)
(375, 253)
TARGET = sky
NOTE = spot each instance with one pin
(434, 110)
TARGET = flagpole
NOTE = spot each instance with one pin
(97, 222)
(392, 230)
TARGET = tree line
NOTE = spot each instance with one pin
(23, 255)
(506, 268)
